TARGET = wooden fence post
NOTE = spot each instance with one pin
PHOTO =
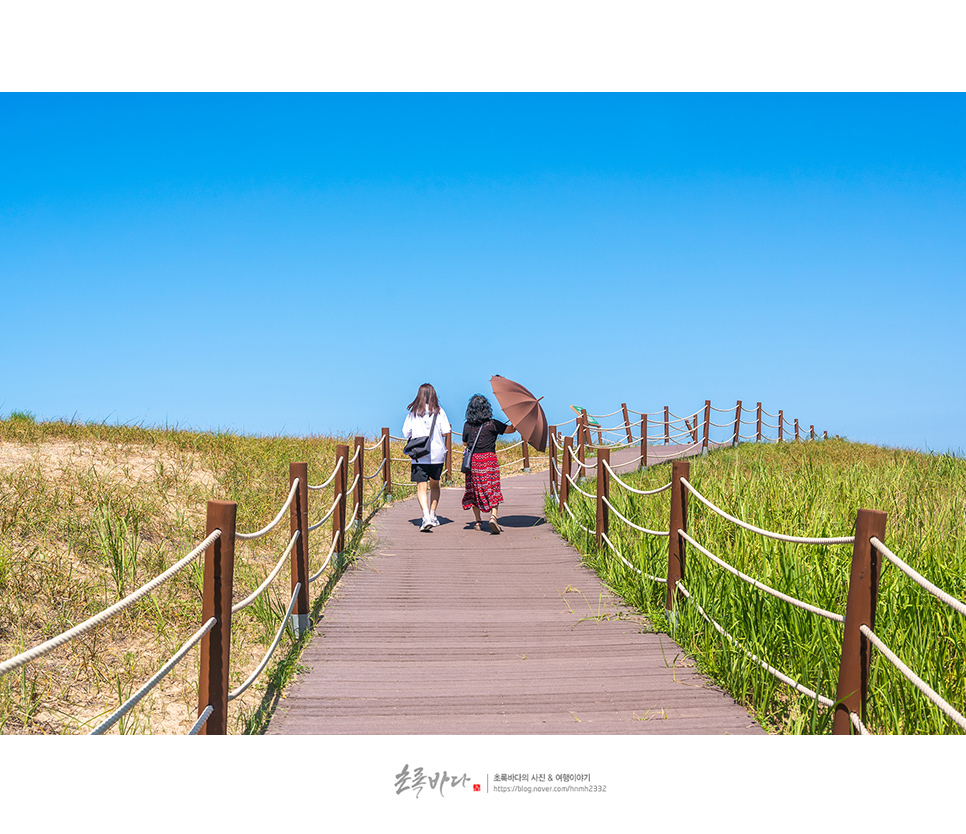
(299, 523)
(359, 480)
(339, 486)
(526, 456)
(603, 491)
(583, 437)
(552, 457)
(627, 424)
(565, 471)
(216, 602)
(853, 684)
(694, 431)
(386, 463)
(643, 441)
(796, 430)
(737, 424)
(678, 521)
(707, 423)
(781, 425)
(759, 422)
(811, 431)
(667, 426)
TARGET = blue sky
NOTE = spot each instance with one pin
(274, 263)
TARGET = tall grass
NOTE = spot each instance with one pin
(809, 489)
(90, 512)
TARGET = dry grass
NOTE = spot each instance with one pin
(89, 513)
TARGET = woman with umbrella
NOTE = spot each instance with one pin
(480, 431)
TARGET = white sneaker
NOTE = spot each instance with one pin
(434, 521)
(426, 525)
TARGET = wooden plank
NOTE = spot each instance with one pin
(456, 631)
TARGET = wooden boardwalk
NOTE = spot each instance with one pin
(461, 632)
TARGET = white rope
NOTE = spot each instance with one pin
(581, 526)
(375, 446)
(328, 515)
(281, 513)
(621, 557)
(325, 564)
(857, 723)
(684, 451)
(268, 581)
(828, 702)
(574, 485)
(629, 488)
(331, 477)
(950, 600)
(630, 523)
(261, 666)
(48, 646)
(202, 720)
(762, 587)
(375, 474)
(601, 416)
(636, 460)
(131, 702)
(511, 463)
(914, 679)
(759, 530)
(354, 456)
(352, 487)
(372, 500)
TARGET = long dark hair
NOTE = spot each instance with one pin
(426, 401)
(478, 410)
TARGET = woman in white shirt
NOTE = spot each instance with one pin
(427, 470)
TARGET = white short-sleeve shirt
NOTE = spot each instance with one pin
(419, 427)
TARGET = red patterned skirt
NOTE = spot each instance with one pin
(483, 483)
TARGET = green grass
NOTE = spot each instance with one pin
(89, 512)
(809, 489)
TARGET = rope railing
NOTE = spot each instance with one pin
(202, 720)
(274, 522)
(761, 586)
(328, 515)
(918, 578)
(573, 484)
(768, 533)
(630, 523)
(914, 679)
(330, 479)
(850, 700)
(753, 657)
(620, 556)
(268, 656)
(155, 679)
(219, 544)
(239, 606)
(328, 558)
(616, 478)
(94, 621)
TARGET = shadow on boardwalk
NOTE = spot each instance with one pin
(456, 632)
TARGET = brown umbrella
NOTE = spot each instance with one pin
(523, 409)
